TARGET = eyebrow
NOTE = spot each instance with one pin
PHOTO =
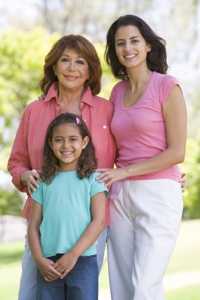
(78, 57)
(130, 38)
(61, 136)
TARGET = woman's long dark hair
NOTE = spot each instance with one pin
(87, 162)
(156, 58)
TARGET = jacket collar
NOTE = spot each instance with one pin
(86, 98)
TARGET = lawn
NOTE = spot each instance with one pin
(187, 253)
(10, 256)
(186, 258)
(188, 293)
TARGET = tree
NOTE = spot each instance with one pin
(192, 169)
(10, 202)
(22, 56)
(91, 18)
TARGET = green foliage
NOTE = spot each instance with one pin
(100, 47)
(108, 79)
(10, 202)
(192, 169)
(22, 56)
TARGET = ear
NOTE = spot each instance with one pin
(85, 142)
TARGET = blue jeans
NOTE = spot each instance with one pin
(81, 283)
(28, 283)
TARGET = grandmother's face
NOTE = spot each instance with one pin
(72, 70)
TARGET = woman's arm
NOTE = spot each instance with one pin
(174, 111)
(97, 225)
(45, 265)
(19, 164)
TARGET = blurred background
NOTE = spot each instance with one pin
(27, 31)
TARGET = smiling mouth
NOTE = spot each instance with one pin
(130, 56)
(70, 78)
(66, 153)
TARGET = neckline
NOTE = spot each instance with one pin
(140, 98)
(66, 171)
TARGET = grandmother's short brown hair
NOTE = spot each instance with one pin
(84, 48)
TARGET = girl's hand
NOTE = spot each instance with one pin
(47, 269)
(108, 176)
(30, 179)
(66, 263)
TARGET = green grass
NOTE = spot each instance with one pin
(185, 259)
(10, 253)
(10, 257)
(187, 251)
(9, 284)
(189, 293)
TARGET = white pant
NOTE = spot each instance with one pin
(28, 283)
(145, 218)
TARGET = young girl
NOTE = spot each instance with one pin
(68, 214)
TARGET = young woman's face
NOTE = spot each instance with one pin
(67, 145)
(71, 70)
(130, 46)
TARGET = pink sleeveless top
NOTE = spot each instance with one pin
(139, 130)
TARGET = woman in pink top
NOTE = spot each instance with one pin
(71, 82)
(149, 125)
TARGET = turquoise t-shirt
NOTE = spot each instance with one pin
(66, 204)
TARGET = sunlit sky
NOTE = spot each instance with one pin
(26, 9)
(12, 9)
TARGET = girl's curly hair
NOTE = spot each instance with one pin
(87, 162)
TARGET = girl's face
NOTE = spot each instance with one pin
(71, 70)
(130, 46)
(67, 145)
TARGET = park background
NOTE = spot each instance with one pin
(27, 31)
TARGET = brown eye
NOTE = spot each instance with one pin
(120, 44)
(57, 140)
(134, 41)
(64, 59)
(81, 62)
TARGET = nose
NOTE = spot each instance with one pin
(127, 46)
(65, 144)
(71, 65)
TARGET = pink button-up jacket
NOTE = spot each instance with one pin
(28, 145)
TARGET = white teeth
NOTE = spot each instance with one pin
(130, 56)
(66, 152)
